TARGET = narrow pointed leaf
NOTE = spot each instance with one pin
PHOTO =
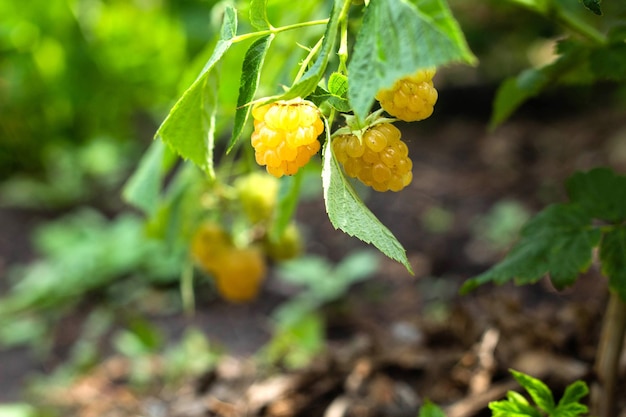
(144, 187)
(574, 392)
(250, 75)
(397, 38)
(568, 404)
(189, 128)
(539, 392)
(347, 212)
(515, 91)
(309, 80)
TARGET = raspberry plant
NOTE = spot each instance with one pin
(332, 82)
(354, 53)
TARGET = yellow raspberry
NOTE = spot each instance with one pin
(380, 159)
(257, 193)
(287, 246)
(240, 273)
(411, 98)
(208, 244)
(285, 135)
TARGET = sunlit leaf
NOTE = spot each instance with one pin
(250, 75)
(189, 128)
(309, 80)
(539, 391)
(258, 14)
(428, 409)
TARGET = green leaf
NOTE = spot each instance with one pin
(508, 409)
(258, 14)
(320, 96)
(540, 393)
(617, 33)
(573, 393)
(189, 128)
(613, 257)
(397, 38)
(429, 409)
(600, 192)
(568, 405)
(570, 410)
(594, 6)
(609, 63)
(338, 84)
(558, 241)
(513, 92)
(309, 80)
(144, 186)
(250, 75)
(347, 212)
(515, 405)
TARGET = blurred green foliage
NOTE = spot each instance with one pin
(84, 74)
(80, 254)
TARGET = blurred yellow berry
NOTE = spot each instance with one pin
(240, 273)
(257, 193)
(208, 245)
(287, 246)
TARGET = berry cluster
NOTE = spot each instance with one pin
(411, 98)
(238, 272)
(379, 159)
(285, 135)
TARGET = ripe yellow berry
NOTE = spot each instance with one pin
(411, 98)
(380, 159)
(285, 135)
(240, 273)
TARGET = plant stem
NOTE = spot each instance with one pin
(343, 48)
(274, 30)
(607, 358)
(186, 289)
(307, 60)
